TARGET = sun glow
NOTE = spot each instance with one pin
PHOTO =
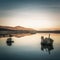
(37, 23)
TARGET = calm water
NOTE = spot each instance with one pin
(29, 48)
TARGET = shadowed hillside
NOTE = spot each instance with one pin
(15, 30)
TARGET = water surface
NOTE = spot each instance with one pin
(29, 48)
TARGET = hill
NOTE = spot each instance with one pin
(15, 28)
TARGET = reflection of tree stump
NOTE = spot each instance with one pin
(47, 47)
(9, 41)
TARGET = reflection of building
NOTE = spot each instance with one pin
(9, 41)
(48, 48)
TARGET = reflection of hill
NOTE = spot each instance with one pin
(21, 35)
(15, 35)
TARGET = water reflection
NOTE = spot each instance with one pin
(15, 35)
(47, 48)
(9, 41)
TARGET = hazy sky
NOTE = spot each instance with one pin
(30, 13)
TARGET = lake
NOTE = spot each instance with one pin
(29, 48)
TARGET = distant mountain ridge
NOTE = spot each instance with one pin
(15, 28)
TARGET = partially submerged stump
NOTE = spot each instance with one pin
(9, 41)
(46, 41)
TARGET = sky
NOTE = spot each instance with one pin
(30, 13)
